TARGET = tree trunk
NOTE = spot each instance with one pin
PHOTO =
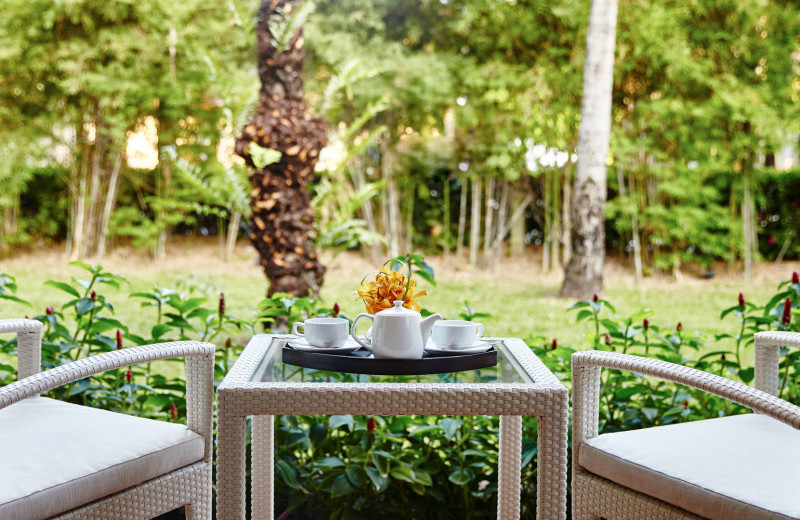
(163, 188)
(584, 273)
(282, 221)
(462, 217)
(78, 205)
(517, 241)
(357, 176)
(488, 227)
(446, 217)
(555, 225)
(475, 221)
(233, 231)
(566, 212)
(502, 225)
(108, 207)
(393, 225)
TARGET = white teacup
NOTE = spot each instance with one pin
(323, 332)
(455, 334)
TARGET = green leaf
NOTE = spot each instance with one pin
(79, 387)
(296, 438)
(337, 421)
(328, 462)
(341, 486)
(261, 156)
(318, 433)
(450, 426)
(381, 462)
(422, 477)
(288, 474)
(461, 477)
(376, 478)
(650, 413)
(83, 306)
(356, 475)
(64, 287)
(159, 330)
(402, 472)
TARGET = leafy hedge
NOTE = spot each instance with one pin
(418, 466)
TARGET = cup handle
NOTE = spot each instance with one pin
(353, 329)
(480, 330)
(295, 332)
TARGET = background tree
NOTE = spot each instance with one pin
(584, 273)
(282, 225)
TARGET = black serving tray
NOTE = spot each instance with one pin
(358, 362)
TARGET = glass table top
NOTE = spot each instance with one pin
(273, 369)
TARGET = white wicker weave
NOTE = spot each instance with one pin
(594, 497)
(238, 396)
(189, 486)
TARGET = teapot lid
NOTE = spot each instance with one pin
(398, 309)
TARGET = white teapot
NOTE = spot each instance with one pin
(397, 332)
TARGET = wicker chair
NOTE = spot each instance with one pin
(732, 468)
(61, 460)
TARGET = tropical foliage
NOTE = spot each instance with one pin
(453, 125)
(357, 466)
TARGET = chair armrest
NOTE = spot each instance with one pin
(29, 345)
(586, 390)
(768, 348)
(199, 378)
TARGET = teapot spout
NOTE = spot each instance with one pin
(426, 325)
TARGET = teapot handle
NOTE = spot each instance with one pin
(353, 329)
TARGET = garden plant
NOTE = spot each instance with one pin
(423, 466)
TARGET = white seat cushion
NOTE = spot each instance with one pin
(57, 456)
(744, 467)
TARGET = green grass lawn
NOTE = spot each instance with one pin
(523, 301)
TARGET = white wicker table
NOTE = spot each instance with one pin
(521, 385)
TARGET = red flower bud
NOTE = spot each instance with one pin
(336, 309)
(221, 304)
(93, 296)
(370, 425)
(173, 411)
(795, 277)
(722, 357)
(119, 339)
(786, 318)
(49, 310)
(685, 405)
(595, 298)
(608, 338)
(228, 343)
(741, 301)
(679, 327)
(129, 376)
(554, 344)
(646, 324)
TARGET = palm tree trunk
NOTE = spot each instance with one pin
(282, 221)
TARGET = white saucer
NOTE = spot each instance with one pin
(482, 345)
(300, 344)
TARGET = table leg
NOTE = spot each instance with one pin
(510, 467)
(231, 431)
(551, 480)
(262, 468)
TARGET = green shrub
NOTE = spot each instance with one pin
(417, 466)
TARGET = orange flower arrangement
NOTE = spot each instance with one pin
(387, 287)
